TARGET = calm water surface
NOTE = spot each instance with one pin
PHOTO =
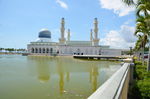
(39, 77)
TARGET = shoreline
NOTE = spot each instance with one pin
(53, 56)
(8, 53)
(69, 56)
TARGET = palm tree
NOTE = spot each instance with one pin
(143, 7)
(129, 2)
(143, 21)
(138, 45)
(141, 27)
(143, 14)
(141, 43)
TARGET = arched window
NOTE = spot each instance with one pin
(100, 52)
(51, 50)
(43, 50)
(36, 50)
(78, 51)
(47, 50)
(32, 50)
(58, 52)
(39, 50)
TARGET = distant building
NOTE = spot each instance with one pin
(44, 46)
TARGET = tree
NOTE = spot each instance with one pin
(143, 16)
(129, 2)
(1, 49)
(142, 22)
(9, 49)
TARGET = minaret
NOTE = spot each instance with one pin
(95, 28)
(96, 39)
(62, 30)
(91, 35)
(68, 35)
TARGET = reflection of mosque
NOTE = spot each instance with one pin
(93, 77)
(60, 70)
(63, 70)
(42, 67)
(43, 70)
(43, 73)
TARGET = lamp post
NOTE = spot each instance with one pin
(130, 51)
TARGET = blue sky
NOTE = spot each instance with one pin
(21, 20)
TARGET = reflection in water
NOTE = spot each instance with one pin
(61, 82)
(62, 77)
(93, 76)
(64, 67)
(94, 72)
(67, 76)
(60, 69)
(43, 71)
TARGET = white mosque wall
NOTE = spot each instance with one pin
(116, 52)
(71, 50)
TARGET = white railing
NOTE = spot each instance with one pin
(116, 87)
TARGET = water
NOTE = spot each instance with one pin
(41, 77)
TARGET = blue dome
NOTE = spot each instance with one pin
(44, 33)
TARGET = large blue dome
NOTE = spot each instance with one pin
(44, 33)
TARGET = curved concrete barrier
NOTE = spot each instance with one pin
(116, 87)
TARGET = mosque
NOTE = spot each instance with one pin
(44, 46)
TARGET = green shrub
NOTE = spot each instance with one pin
(139, 75)
(138, 63)
(134, 92)
(141, 87)
(144, 88)
(140, 67)
(140, 71)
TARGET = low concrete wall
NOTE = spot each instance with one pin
(116, 87)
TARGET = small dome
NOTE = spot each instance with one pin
(44, 33)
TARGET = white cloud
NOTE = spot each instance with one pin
(62, 4)
(124, 38)
(117, 6)
(127, 33)
(129, 21)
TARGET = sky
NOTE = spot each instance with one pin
(21, 21)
